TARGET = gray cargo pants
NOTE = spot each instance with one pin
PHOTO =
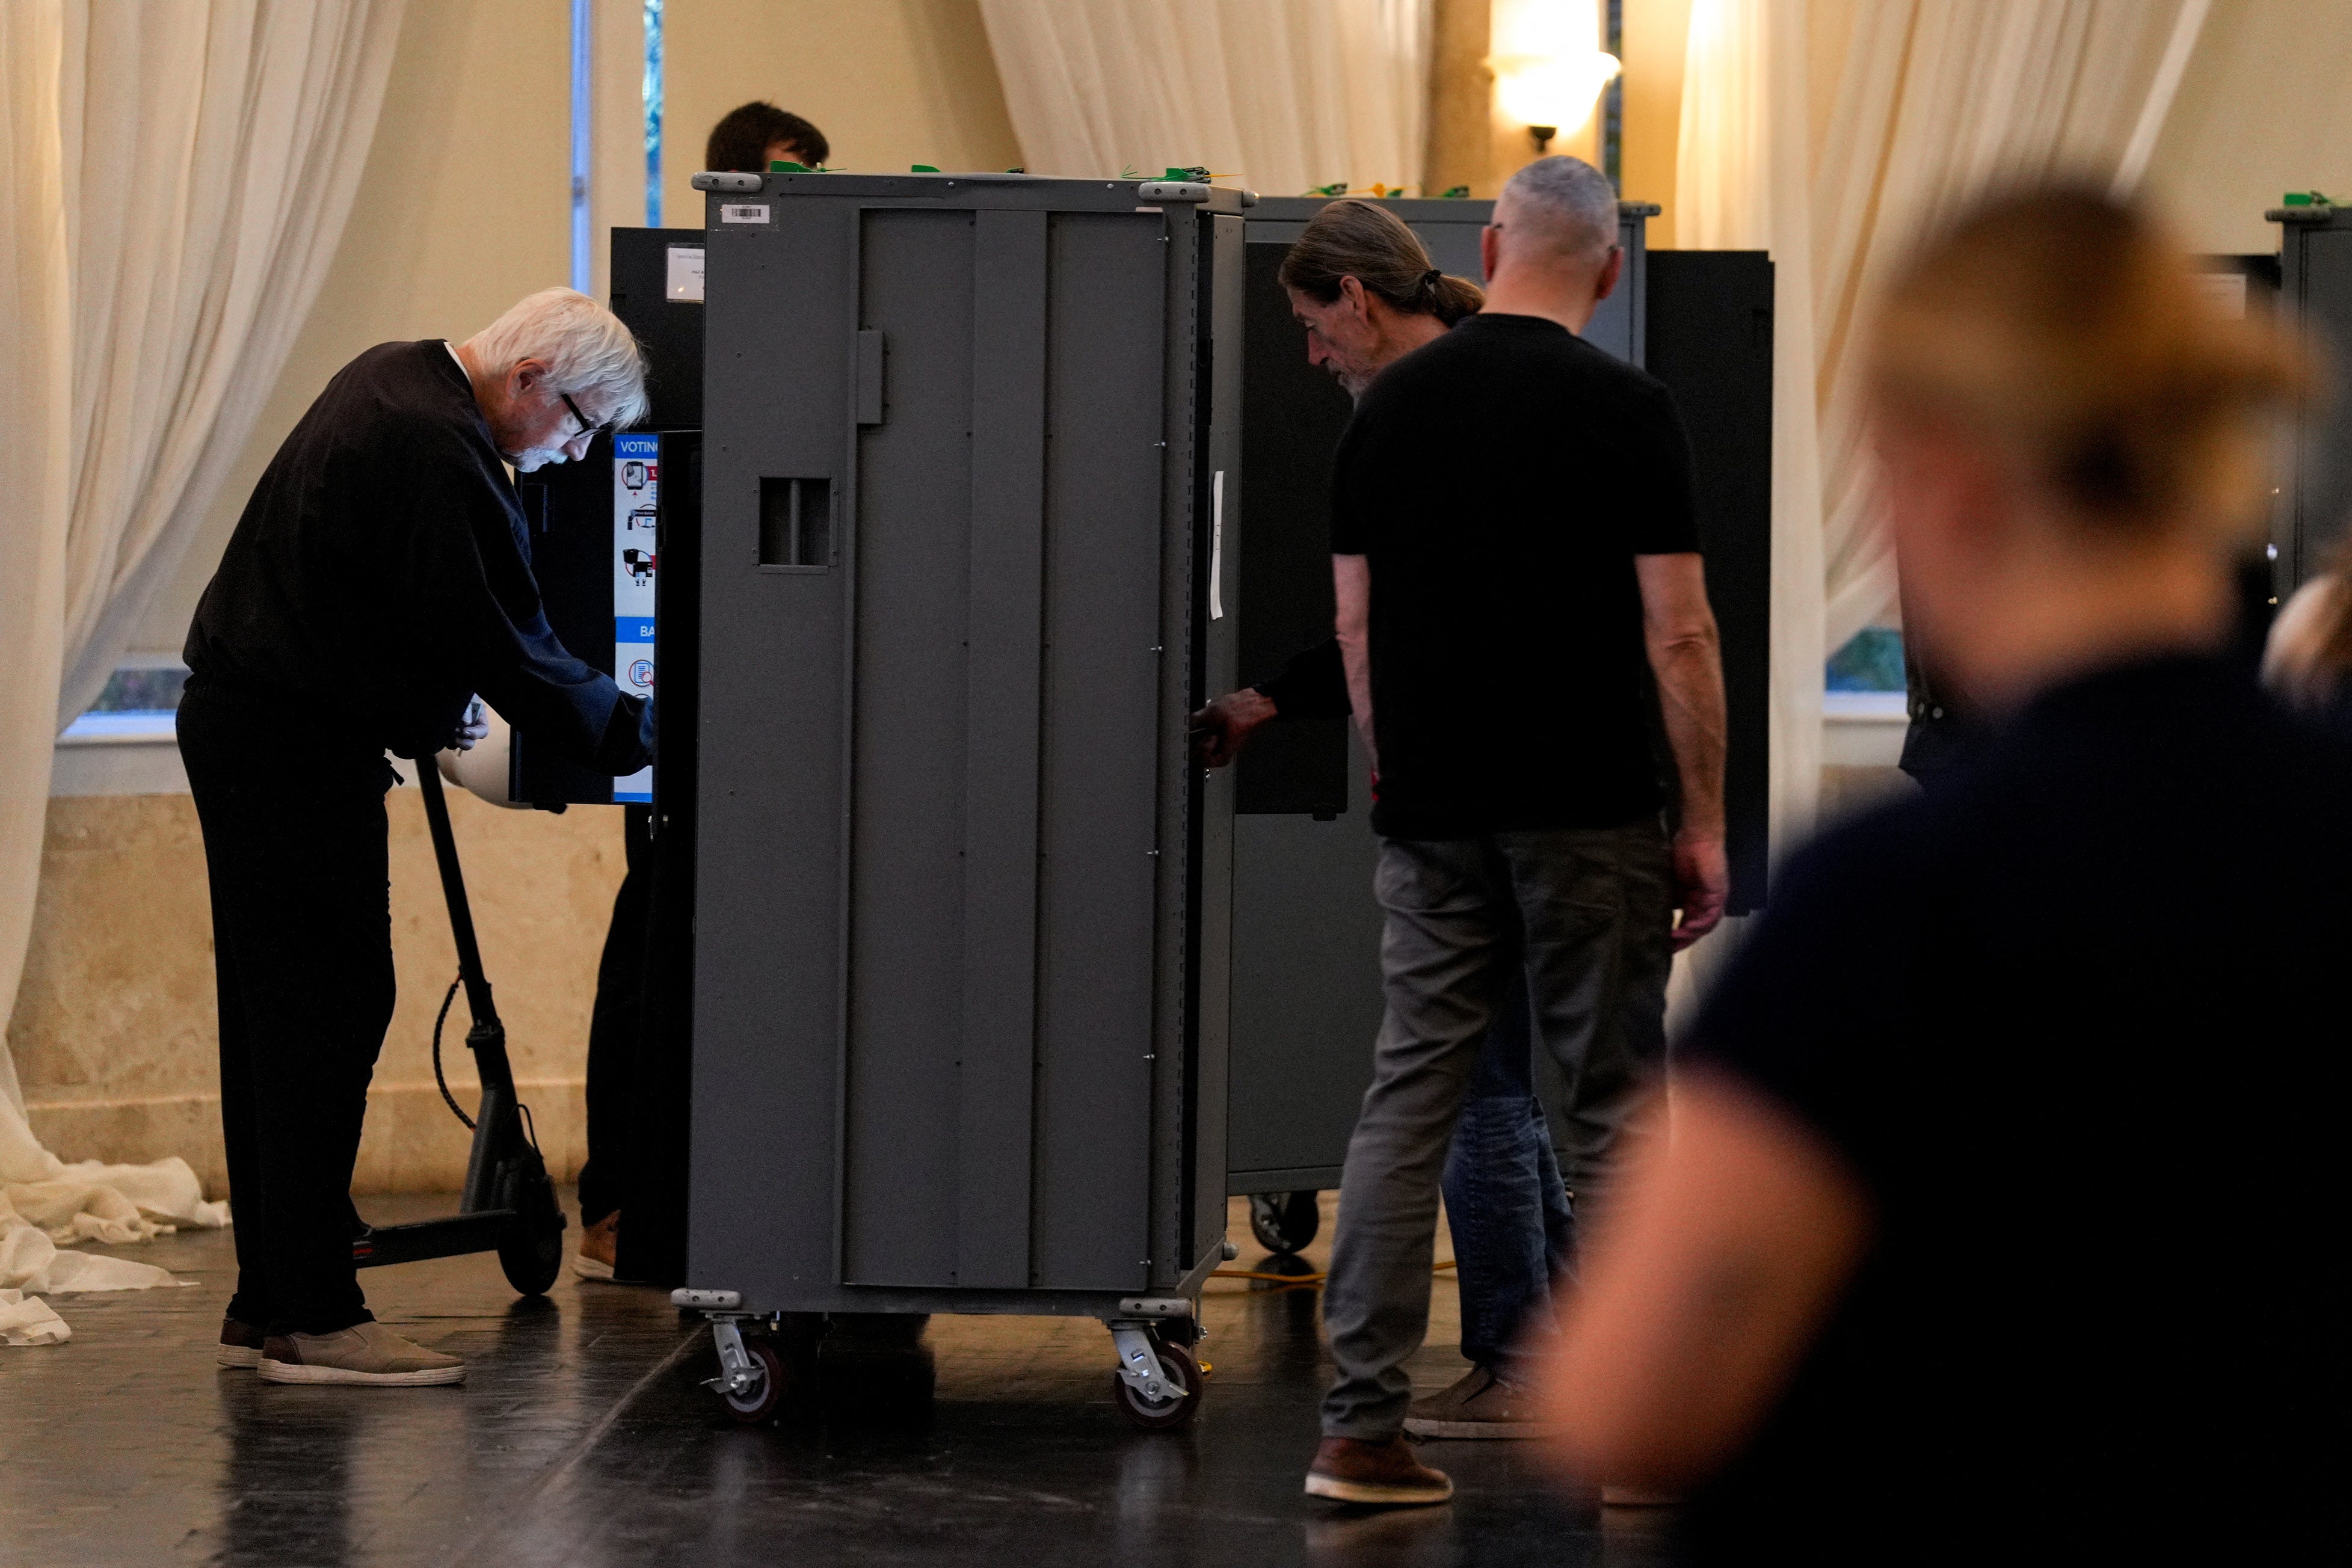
(1592, 910)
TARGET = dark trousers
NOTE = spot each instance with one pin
(295, 851)
(1586, 914)
(614, 1028)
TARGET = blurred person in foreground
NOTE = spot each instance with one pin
(1999, 1222)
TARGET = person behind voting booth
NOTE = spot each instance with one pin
(1361, 284)
(1520, 600)
(379, 579)
(749, 138)
(744, 141)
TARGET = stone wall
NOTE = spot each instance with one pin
(114, 1034)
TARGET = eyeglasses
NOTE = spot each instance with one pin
(587, 431)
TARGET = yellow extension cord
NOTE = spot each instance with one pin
(1296, 1278)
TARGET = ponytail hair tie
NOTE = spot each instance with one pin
(1429, 279)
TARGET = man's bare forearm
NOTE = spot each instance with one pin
(1351, 585)
(1358, 660)
(1689, 671)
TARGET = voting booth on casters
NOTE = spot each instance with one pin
(960, 901)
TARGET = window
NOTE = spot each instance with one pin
(137, 704)
(1871, 660)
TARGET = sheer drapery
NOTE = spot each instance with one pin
(177, 178)
(1281, 95)
(1924, 103)
(1742, 183)
(35, 394)
(1937, 101)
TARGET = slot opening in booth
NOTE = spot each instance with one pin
(796, 524)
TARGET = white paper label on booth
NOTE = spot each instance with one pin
(685, 273)
(637, 492)
(2224, 293)
(742, 213)
(1217, 546)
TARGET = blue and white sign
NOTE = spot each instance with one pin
(636, 493)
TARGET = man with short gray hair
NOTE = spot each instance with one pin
(1521, 607)
(379, 579)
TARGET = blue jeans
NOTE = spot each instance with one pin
(1514, 1229)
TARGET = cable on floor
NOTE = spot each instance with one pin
(1298, 1279)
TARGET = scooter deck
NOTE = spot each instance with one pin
(450, 1237)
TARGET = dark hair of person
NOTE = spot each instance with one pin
(1365, 241)
(2062, 328)
(739, 143)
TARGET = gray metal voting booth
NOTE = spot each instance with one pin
(1306, 989)
(960, 982)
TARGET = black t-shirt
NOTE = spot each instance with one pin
(1500, 481)
(2076, 1022)
(381, 577)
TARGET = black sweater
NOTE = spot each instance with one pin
(381, 577)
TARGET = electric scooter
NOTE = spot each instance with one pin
(508, 1207)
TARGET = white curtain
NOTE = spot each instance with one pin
(1279, 95)
(1830, 134)
(1746, 92)
(177, 177)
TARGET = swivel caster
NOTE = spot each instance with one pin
(753, 1376)
(1158, 1385)
(1284, 1222)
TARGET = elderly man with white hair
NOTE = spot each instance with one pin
(379, 579)
(1521, 608)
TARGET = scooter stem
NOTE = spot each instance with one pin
(453, 889)
(494, 1120)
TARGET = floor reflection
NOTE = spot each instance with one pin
(583, 1438)
(285, 1489)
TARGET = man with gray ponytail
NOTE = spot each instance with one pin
(1521, 605)
(379, 579)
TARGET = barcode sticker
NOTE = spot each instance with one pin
(744, 212)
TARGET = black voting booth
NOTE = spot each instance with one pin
(2313, 278)
(1306, 974)
(614, 545)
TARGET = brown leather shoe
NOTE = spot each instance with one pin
(1479, 1405)
(240, 1346)
(1348, 1470)
(365, 1353)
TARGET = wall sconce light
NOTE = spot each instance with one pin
(1548, 74)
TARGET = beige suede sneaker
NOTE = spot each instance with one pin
(365, 1353)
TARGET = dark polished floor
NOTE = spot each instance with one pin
(583, 1437)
